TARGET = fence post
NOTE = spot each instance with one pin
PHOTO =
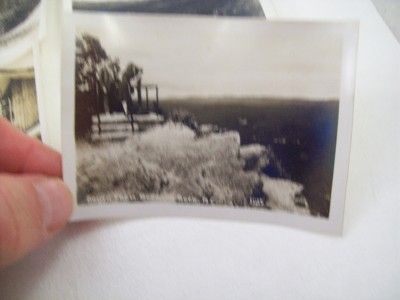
(147, 99)
(131, 120)
(157, 98)
(98, 107)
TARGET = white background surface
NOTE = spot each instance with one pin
(390, 12)
(198, 259)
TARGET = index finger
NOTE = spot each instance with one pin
(20, 153)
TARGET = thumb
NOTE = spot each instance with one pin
(32, 209)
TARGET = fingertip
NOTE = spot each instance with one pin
(32, 210)
(56, 201)
(22, 154)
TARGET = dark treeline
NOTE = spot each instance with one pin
(101, 83)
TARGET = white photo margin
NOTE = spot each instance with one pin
(331, 225)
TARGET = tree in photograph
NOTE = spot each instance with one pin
(100, 86)
(132, 73)
(90, 58)
(113, 86)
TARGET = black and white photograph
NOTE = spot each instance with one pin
(17, 18)
(22, 24)
(204, 7)
(18, 99)
(205, 112)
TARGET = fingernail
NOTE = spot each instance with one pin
(56, 202)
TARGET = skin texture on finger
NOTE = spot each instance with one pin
(32, 209)
(20, 153)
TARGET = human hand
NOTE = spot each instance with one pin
(34, 202)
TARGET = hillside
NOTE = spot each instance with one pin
(169, 163)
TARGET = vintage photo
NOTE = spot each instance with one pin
(22, 24)
(203, 7)
(17, 17)
(246, 116)
(18, 99)
(237, 118)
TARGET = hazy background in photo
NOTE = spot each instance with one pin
(209, 57)
(201, 7)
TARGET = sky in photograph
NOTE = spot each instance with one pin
(218, 57)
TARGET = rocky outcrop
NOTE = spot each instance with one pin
(285, 195)
(206, 129)
(171, 159)
(275, 193)
(255, 157)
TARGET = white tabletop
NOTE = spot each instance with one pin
(198, 259)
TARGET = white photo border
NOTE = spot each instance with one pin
(331, 225)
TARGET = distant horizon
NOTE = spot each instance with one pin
(205, 57)
(249, 99)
